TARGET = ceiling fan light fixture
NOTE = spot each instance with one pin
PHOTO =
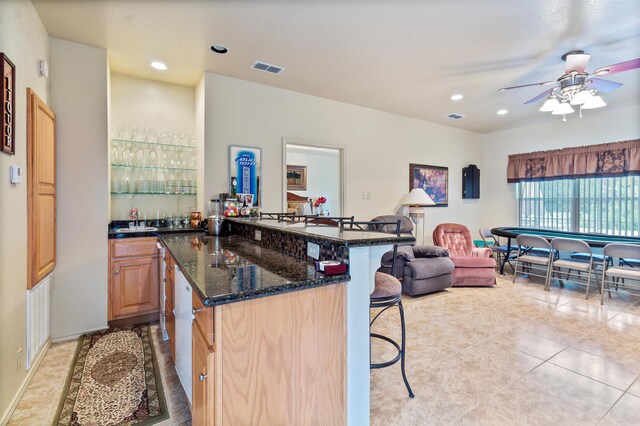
(581, 97)
(550, 104)
(563, 108)
(594, 102)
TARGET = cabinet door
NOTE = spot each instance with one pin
(134, 287)
(170, 321)
(202, 409)
(170, 283)
(41, 189)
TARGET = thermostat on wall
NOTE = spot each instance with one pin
(16, 173)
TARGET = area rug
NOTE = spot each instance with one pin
(114, 380)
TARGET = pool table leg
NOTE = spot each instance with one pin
(506, 256)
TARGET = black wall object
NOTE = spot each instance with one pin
(471, 182)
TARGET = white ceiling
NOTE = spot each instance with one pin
(406, 57)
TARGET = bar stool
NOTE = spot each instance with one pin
(387, 294)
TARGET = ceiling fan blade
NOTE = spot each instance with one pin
(603, 86)
(576, 62)
(616, 68)
(544, 83)
(540, 96)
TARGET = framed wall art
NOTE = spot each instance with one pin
(244, 172)
(296, 178)
(433, 179)
(8, 90)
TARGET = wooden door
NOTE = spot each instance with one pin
(41, 188)
(134, 287)
(202, 405)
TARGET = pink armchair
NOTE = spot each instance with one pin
(473, 266)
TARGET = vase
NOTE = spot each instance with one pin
(320, 210)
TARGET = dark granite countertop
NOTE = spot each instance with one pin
(230, 269)
(329, 234)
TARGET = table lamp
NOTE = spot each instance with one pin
(417, 200)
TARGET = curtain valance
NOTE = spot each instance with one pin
(604, 160)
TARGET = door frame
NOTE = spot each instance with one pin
(316, 144)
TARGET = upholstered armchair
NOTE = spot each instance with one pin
(473, 266)
(421, 269)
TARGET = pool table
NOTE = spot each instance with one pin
(594, 240)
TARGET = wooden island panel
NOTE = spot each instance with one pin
(282, 359)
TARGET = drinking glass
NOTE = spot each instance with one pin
(115, 155)
(139, 157)
(152, 158)
(127, 156)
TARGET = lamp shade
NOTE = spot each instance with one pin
(550, 104)
(563, 108)
(581, 97)
(417, 197)
(594, 102)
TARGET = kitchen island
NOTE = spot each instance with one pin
(267, 333)
(260, 337)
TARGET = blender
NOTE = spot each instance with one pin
(214, 220)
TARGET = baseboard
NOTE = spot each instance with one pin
(25, 383)
(75, 336)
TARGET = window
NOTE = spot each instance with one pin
(602, 205)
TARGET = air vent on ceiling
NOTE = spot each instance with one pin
(263, 66)
(455, 116)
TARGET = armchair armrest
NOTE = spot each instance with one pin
(481, 252)
(403, 255)
(430, 251)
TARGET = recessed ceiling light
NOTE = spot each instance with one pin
(158, 66)
(456, 97)
(218, 48)
(502, 111)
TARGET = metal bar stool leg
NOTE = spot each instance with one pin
(404, 375)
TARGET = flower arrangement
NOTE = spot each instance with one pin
(319, 205)
(319, 201)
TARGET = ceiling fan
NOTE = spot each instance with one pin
(577, 87)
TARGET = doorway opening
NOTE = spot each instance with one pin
(313, 172)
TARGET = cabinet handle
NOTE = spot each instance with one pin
(202, 377)
(117, 271)
(195, 311)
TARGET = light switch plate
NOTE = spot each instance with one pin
(258, 235)
(366, 196)
(15, 175)
(313, 250)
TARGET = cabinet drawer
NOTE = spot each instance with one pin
(203, 318)
(132, 247)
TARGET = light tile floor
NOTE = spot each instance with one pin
(512, 354)
(39, 403)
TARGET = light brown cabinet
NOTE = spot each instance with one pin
(170, 303)
(203, 380)
(133, 278)
(41, 189)
(273, 360)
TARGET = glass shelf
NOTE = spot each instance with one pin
(180, 169)
(149, 193)
(163, 145)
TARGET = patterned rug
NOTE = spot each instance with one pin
(115, 380)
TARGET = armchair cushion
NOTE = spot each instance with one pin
(423, 268)
(455, 237)
(473, 262)
(430, 251)
(406, 226)
(481, 252)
